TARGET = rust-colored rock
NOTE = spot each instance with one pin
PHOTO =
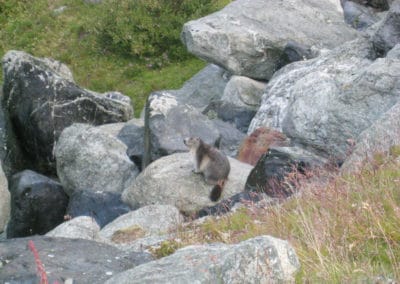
(258, 143)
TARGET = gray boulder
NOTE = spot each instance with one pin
(144, 227)
(244, 92)
(38, 204)
(359, 16)
(263, 259)
(5, 200)
(238, 116)
(168, 122)
(91, 159)
(377, 139)
(321, 104)
(82, 227)
(248, 37)
(170, 180)
(77, 260)
(41, 100)
(204, 87)
(388, 35)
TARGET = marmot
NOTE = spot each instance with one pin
(212, 163)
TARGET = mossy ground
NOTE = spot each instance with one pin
(37, 28)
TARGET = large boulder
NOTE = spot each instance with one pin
(5, 200)
(38, 204)
(387, 34)
(168, 122)
(144, 227)
(64, 259)
(262, 259)
(170, 180)
(321, 104)
(377, 139)
(41, 100)
(102, 206)
(249, 37)
(91, 159)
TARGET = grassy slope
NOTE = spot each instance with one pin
(32, 26)
(346, 230)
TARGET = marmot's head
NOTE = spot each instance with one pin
(192, 142)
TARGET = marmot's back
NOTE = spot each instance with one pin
(218, 168)
(212, 163)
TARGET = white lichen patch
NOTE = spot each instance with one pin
(162, 104)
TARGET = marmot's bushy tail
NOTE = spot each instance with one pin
(216, 192)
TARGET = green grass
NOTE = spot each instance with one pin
(345, 230)
(34, 27)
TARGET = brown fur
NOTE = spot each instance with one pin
(258, 143)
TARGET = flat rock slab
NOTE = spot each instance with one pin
(81, 260)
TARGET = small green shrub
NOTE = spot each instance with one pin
(147, 28)
(166, 248)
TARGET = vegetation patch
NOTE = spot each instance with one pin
(128, 46)
(128, 234)
(346, 229)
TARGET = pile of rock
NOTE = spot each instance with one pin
(76, 164)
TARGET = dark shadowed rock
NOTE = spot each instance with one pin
(11, 154)
(41, 100)
(237, 115)
(38, 204)
(359, 16)
(381, 5)
(89, 158)
(167, 123)
(83, 261)
(248, 37)
(388, 33)
(262, 259)
(270, 173)
(226, 205)
(132, 135)
(104, 207)
(258, 143)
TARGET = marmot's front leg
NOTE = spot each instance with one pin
(196, 169)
